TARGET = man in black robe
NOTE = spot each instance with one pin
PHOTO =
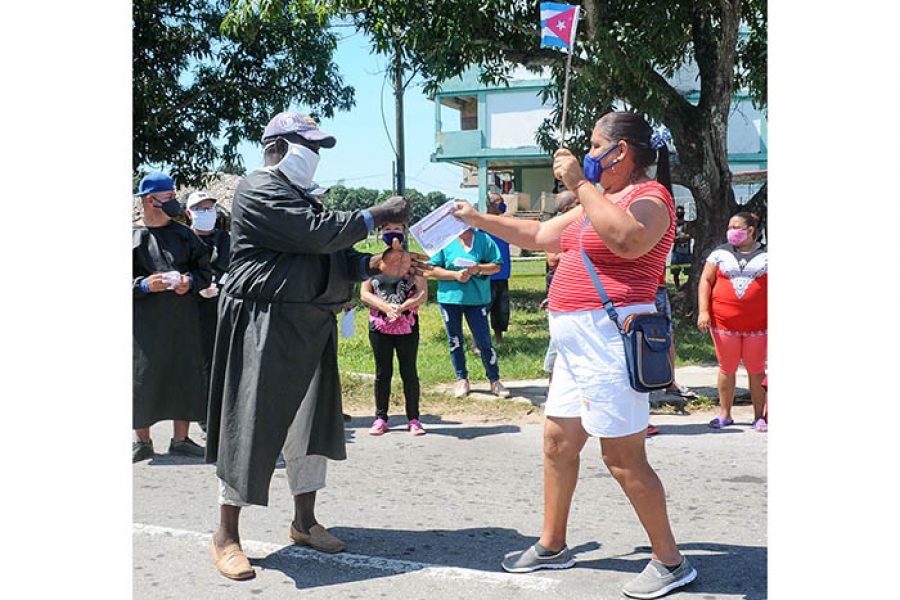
(201, 209)
(275, 381)
(170, 265)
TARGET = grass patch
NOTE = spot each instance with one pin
(521, 356)
(358, 400)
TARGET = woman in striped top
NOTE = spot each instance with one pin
(627, 229)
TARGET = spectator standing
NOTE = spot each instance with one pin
(499, 306)
(733, 308)
(170, 266)
(462, 269)
(681, 249)
(201, 208)
(394, 328)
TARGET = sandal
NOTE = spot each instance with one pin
(760, 425)
(683, 391)
(719, 423)
(652, 429)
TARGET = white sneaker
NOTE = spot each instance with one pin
(462, 388)
(498, 389)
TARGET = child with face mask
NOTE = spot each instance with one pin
(394, 327)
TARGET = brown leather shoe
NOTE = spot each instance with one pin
(318, 538)
(232, 562)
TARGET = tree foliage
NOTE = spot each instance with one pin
(200, 89)
(627, 51)
(340, 197)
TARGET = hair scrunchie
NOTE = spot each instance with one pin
(660, 137)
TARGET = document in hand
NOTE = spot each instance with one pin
(438, 228)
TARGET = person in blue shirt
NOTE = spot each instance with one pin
(499, 306)
(462, 270)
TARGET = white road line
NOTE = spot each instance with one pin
(361, 561)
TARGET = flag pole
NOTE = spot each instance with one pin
(562, 128)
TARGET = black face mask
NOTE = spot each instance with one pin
(171, 208)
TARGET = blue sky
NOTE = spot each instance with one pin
(363, 155)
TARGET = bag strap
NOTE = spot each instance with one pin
(589, 265)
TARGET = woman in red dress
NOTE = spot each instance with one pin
(732, 307)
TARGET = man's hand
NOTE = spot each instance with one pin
(393, 210)
(156, 283)
(474, 270)
(544, 303)
(397, 262)
(182, 288)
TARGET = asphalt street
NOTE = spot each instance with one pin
(432, 516)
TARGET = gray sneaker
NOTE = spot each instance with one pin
(529, 560)
(657, 580)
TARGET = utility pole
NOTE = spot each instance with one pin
(398, 105)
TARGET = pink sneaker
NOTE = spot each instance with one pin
(379, 427)
(415, 427)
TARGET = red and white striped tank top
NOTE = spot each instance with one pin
(626, 281)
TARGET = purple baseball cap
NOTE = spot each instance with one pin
(303, 125)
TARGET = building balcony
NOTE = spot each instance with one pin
(456, 145)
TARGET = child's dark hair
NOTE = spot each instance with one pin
(634, 129)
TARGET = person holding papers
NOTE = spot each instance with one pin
(463, 269)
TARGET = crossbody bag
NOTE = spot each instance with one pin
(645, 336)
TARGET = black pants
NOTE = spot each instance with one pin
(499, 308)
(407, 347)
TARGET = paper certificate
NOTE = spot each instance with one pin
(438, 228)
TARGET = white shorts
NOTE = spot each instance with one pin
(590, 377)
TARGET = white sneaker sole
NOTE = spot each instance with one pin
(566, 565)
(665, 590)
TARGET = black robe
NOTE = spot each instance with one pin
(275, 358)
(167, 359)
(219, 243)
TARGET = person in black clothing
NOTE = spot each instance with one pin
(394, 326)
(170, 266)
(201, 209)
(275, 384)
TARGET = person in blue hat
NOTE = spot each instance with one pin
(275, 385)
(170, 266)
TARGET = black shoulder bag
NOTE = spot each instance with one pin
(645, 335)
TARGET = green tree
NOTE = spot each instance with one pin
(340, 197)
(200, 88)
(626, 51)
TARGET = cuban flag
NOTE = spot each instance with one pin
(558, 25)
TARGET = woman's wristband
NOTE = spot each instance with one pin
(578, 185)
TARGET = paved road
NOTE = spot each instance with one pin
(431, 517)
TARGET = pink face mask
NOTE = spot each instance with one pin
(736, 237)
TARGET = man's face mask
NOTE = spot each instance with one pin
(170, 207)
(203, 219)
(592, 167)
(299, 165)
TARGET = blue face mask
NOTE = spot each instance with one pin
(592, 167)
(388, 237)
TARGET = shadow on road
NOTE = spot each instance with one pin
(434, 424)
(723, 569)
(667, 429)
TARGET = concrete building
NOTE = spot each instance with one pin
(490, 132)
